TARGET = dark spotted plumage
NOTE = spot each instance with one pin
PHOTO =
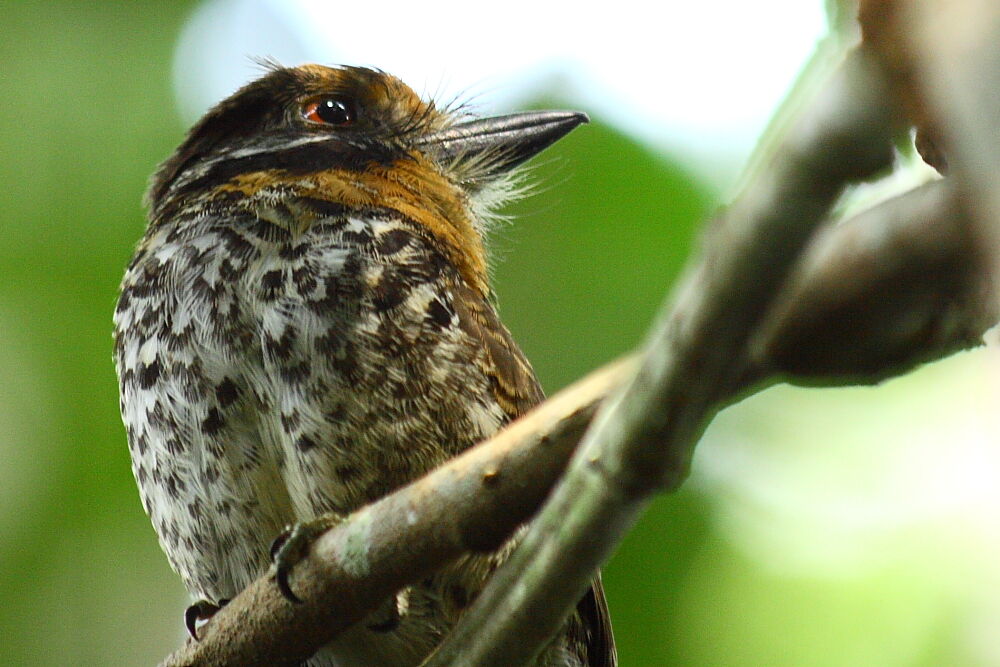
(307, 325)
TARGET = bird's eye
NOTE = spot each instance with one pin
(329, 111)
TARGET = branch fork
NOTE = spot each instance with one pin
(779, 292)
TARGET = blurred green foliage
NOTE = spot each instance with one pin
(87, 114)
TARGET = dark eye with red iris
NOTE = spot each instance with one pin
(329, 111)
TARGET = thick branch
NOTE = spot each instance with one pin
(946, 68)
(643, 437)
(900, 284)
(957, 62)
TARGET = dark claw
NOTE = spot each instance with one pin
(279, 542)
(284, 560)
(292, 545)
(281, 578)
(202, 610)
(191, 616)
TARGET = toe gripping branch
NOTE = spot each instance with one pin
(292, 546)
(201, 611)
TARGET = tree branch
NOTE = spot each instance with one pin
(744, 295)
(956, 63)
(472, 503)
(945, 70)
(643, 437)
(900, 284)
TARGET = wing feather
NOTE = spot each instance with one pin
(517, 390)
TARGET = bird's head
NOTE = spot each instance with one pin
(358, 138)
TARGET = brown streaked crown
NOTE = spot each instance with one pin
(266, 115)
(262, 138)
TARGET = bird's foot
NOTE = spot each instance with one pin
(293, 544)
(199, 612)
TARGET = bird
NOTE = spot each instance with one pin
(308, 324)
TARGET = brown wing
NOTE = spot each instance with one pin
(517, 390)
(515, 386)
(596, 620)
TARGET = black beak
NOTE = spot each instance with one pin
(495, 145)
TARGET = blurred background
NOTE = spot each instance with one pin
(819, 527)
